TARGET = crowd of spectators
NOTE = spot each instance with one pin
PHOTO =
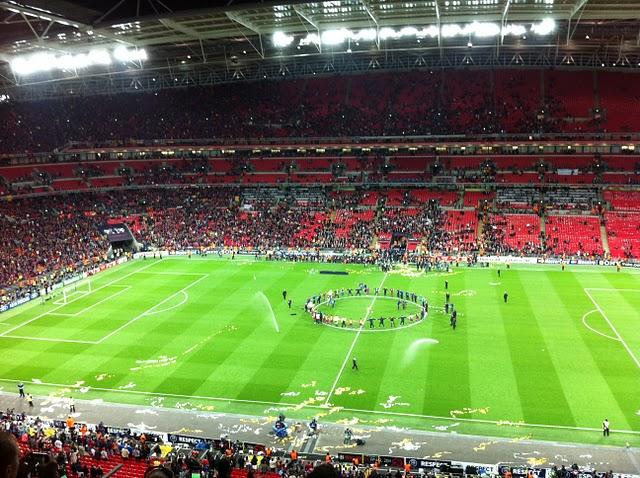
(31, 447)
(501, 237)
(45, 238)
(383, 104)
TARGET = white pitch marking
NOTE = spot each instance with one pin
(626, 346)
(377, 330)
(115, 294)
(45, 339)
(61, 301)
(324, 407)
(6, 332)
(149, 310)
(353, 344)
(611, 290)
(586, 324)
(168, 273)
(184, 299)
(158, 394)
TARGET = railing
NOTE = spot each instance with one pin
(362, 140)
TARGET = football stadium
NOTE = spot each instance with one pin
(338, 239)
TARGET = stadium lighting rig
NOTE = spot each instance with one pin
(41, 62)
(449, 30)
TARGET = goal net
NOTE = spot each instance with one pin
(72, 292)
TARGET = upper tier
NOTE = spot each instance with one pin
(379, 104)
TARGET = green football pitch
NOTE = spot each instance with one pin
(210, 334)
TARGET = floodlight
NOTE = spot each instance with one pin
(387, 32)
(125, 55)
(366, 34)
(335, 37)
(514, 30)
(483, 30)
(311, 38)
(408, 32)
(545, 27)
(451, 30)
(281, 39)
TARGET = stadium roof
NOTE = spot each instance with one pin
(232, 37)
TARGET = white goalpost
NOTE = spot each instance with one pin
(73, 291)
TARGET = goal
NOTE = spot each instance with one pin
(66, 294)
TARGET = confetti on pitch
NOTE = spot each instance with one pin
(483, 446)
(409, 445)
(392, 401)
(468, 411)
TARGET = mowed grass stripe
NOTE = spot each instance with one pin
(237, 309)
(492, 377)
(588, 394)
(591, 394)
(211, 357)
(540, 390)
(318, 352)
(115, 356)
(21, 315)
(323, 348)
(622, 309)
(276, 368)
(612, 359)
(258, 326)
(397, 376)
(376, 353)
(170, 334)
(449, 360)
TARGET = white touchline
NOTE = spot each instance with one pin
(149, 310)
(635, 359)
(168, 273)
(45, 339)
(611, 289)
(7, 332)
(353, 344)
(317, 407)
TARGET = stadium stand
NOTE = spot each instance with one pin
(417, 138)
(623, 234)
(623, 200)
(48, 237)
(512, 233)
(571, 235)
(73, 449)
(487, 102)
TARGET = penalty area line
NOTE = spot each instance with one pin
(151, 309)
(353, 344)
(39, 316)
(615, 331)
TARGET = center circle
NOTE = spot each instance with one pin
(350, 312)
